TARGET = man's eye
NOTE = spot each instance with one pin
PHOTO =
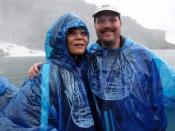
(100, 21)
(113, 20)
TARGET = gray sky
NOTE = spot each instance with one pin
(152, 14)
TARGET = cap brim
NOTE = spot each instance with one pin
(99, 12)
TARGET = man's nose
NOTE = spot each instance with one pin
(106, 23)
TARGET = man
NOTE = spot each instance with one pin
(126, 79)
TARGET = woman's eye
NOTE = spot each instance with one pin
(83, 33)
(77, 32)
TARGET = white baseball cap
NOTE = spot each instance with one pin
(106, 7)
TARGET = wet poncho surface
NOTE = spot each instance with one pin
(7, 91)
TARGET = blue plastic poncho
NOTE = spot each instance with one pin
(167, 76)
(57, 99)
(127, 86)
(7, 91)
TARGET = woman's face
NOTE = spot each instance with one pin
(77, 41)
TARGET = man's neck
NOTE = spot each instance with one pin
(115, 45)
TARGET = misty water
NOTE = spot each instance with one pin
(15, 69)
(167, 55)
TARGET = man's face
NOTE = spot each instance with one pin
(77, 41)
(108, 28)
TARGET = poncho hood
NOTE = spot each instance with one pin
(55, 43)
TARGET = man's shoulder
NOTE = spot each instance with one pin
(137, 47)
(93, 47)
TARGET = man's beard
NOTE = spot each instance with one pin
(108, 43)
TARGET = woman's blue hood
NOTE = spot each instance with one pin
(55, 44)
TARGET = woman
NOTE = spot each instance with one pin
(57, 99)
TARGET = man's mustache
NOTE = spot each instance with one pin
(107, 29)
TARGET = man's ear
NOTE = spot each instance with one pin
(94, 24)
(120, 23)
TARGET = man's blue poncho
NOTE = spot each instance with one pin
(127, 86)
